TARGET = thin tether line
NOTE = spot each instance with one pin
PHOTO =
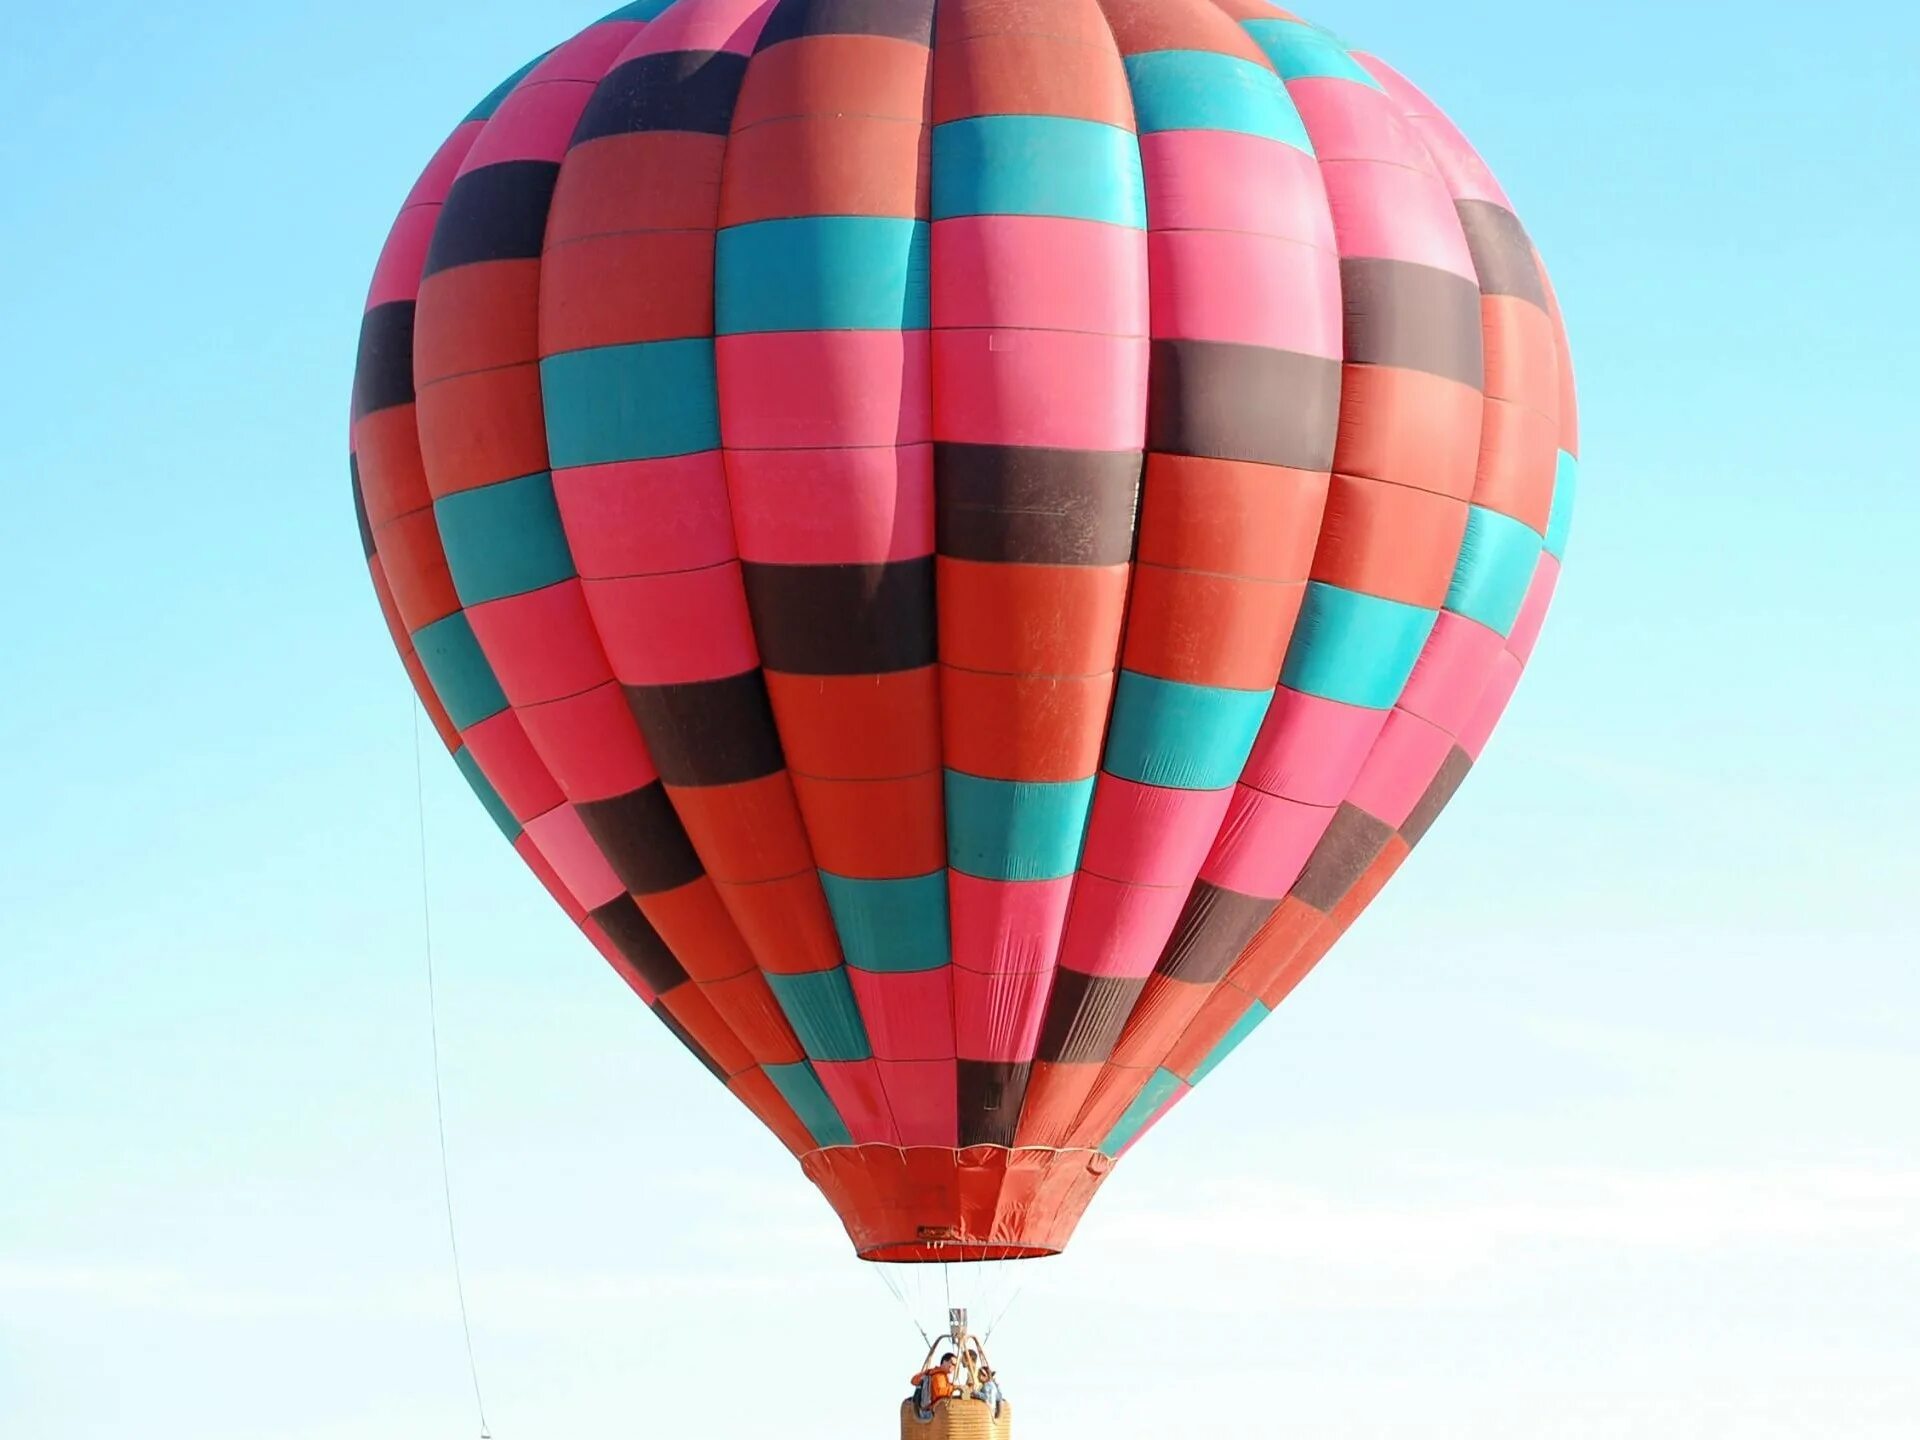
(439, 1105)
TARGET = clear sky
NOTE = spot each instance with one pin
(1601, 1123)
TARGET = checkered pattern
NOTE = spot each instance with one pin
(964, 541)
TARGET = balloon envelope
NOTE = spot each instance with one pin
(962, 542)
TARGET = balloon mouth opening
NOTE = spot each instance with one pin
(952, 1252)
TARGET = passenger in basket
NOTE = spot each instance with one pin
(989, 1389)
(934, 1385)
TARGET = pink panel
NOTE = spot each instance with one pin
(1246, 290)
(437, 178)
(1041, 387)
(563, 840)
(831, 388)
(640, 517)
(908, 1017)
(1040, 272)
(1409, 754)
(1311, 749)
(1150, 834)
(1006, 925)
(1493, 704)
(1199, 180)
(591, 743)
(671, 629)
(535, 122)
(1387, 212)
(855, 1089)
(832, 507)
(1533, 611)
(499, 745)
(542, 644)
(732, 25)
(588, 55)
(997, 1017)
(1465, 172)
(1451, 672)
(544, 873)
(397, 276)
(1265, 843)
(1355, 122)
(1119, 929)
(924, 1096)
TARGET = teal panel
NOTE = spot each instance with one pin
(1203, 90)
(822, 272)
(1566, 483)
(503, 539)
(1038, 165)
(630, 402)
(821, 1008)
(1300, 52)
(1357, 649)
(484, 110)
(1183, 737)
(1230, 1041)
(489, 797)
(1161, 1088)
(638, 10)
(1498, 556)
(801, 1089)
(891, 926)
(1015, 829)
(461, 676)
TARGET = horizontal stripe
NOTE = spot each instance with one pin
(1038, 165)
(1566, 485)
(842, 619)
(1215, 925)
(1413, 316)
(890, 926)
(1204, 90)
(1157, 1092)
(1502, 253)
(709, 732)
(1184, 737)
(1230, 1041)
(498, 212)
(503, 539)
(630, 402)
(1086, 1014)
(1301, 52)
(821, 1008)
(461, 676)
(1498, 556)
(490, 799)
(643, 839)
(383, 370)
(1440, 790)
(991, 1093)
(909, 20)
(1015, 829)
(1033, 506)
(685, 90)
(822, 272)
(640, 944)
(1242, 402)
(1357, 649)
(801, 1089)
(1351, 844)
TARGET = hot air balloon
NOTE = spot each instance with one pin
(963, 541)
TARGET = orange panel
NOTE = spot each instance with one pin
(746, 832)
(1140, 25)
(1055, 1095)
(476, 317)
(1392, 541)
(699, 1019)
(875, 829)
(786, 923)
(1518, 458)
(386, 447)
(615, 289)
(1521, 363)
(747, 1005)
(1209, 1026)
(1211, 629)
(416, 566)
(827, 165)
(858, 727)
(654, 180)
(835, 74)
(1161, 1015)
(1409, 428)
(1232, 517)
(1030, 74)
(1025, 727)
(1030, 619)
(698, 929)
(476, 429)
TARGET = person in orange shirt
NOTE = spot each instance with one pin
(933, 1385)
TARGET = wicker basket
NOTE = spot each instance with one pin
(957, 1420)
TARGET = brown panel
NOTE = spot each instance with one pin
(1453, 770)
(1414, 317)
(1246, 402)
(1341, 857)
(1502, 254)
(1214, 928)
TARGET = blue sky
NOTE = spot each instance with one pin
(1600, 1123)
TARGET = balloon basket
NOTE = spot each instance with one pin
(957, 1420)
